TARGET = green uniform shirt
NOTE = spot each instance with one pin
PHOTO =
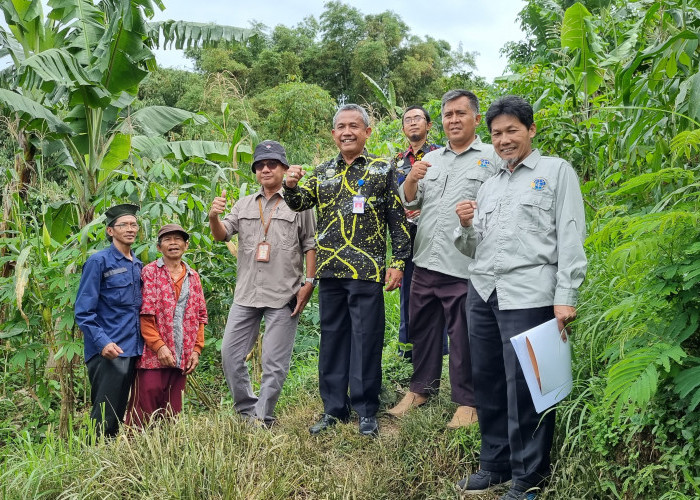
(353, 245)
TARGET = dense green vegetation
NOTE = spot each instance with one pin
(89, 121)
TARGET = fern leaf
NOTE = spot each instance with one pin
(647, 181)
(686, 143)
(688, 382)
(634, 379)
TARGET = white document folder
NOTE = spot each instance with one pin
(546, 363)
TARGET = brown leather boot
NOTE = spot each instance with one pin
(409, 401)
(463, 417)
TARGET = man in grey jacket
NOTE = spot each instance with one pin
(440, 278)
(525, 231)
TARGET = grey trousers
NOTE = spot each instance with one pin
(240, 335)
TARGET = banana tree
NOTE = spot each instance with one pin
(68, 92)
(75, 74)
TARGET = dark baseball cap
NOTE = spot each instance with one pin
(173, 228)
(269, 150)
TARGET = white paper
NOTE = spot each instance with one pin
(553, 358)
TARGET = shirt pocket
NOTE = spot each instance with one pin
(249, 227)
(119, 290)
(282, 228)
(474, 180)
(434, 183)
(536, 213)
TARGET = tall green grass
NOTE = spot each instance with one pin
(216, 455)
(209, 453)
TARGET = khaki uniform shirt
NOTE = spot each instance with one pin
(451, 178)
(527, 235)
(290, 234)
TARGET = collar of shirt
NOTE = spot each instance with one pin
(118, 255)
(530, 161)
(362, 159)
(261, 192)
(476, 144)
(425, 148)
(160, 263)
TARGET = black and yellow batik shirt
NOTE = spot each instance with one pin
(353, 245)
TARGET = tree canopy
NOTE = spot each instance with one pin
(333, 52)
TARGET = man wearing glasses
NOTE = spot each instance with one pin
(439, 288)
(107, 311)
(416, 125)
(273, 244)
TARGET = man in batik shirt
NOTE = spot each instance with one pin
(356, 198)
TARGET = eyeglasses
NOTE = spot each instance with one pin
(413, 119)
(127, 225)
(271, 165)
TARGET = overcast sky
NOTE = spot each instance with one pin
(480, 26)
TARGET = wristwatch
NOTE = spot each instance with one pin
(313, 281)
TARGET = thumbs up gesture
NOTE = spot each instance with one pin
(218, 206)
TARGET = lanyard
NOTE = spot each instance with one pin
(266, 226)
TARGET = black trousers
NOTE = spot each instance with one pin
(514, 437)
(110, 383)
(350, 354)
(438, 302)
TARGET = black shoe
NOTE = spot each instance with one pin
(520, 492)
(323, 424)
(481, 481)
(368, 426)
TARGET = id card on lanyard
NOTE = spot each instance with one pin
(262, 252)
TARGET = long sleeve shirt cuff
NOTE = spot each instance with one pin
(101, 342)
(565, 297)
(414, 204)
(398, 264)
(465, 240)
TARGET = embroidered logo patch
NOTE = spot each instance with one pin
(538, 184)
(484, 163)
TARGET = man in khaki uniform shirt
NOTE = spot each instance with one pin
(273, 242)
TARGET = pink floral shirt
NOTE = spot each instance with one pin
(159, 300)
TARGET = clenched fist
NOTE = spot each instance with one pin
(418, 171)
(294, 174)
(465, 212)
